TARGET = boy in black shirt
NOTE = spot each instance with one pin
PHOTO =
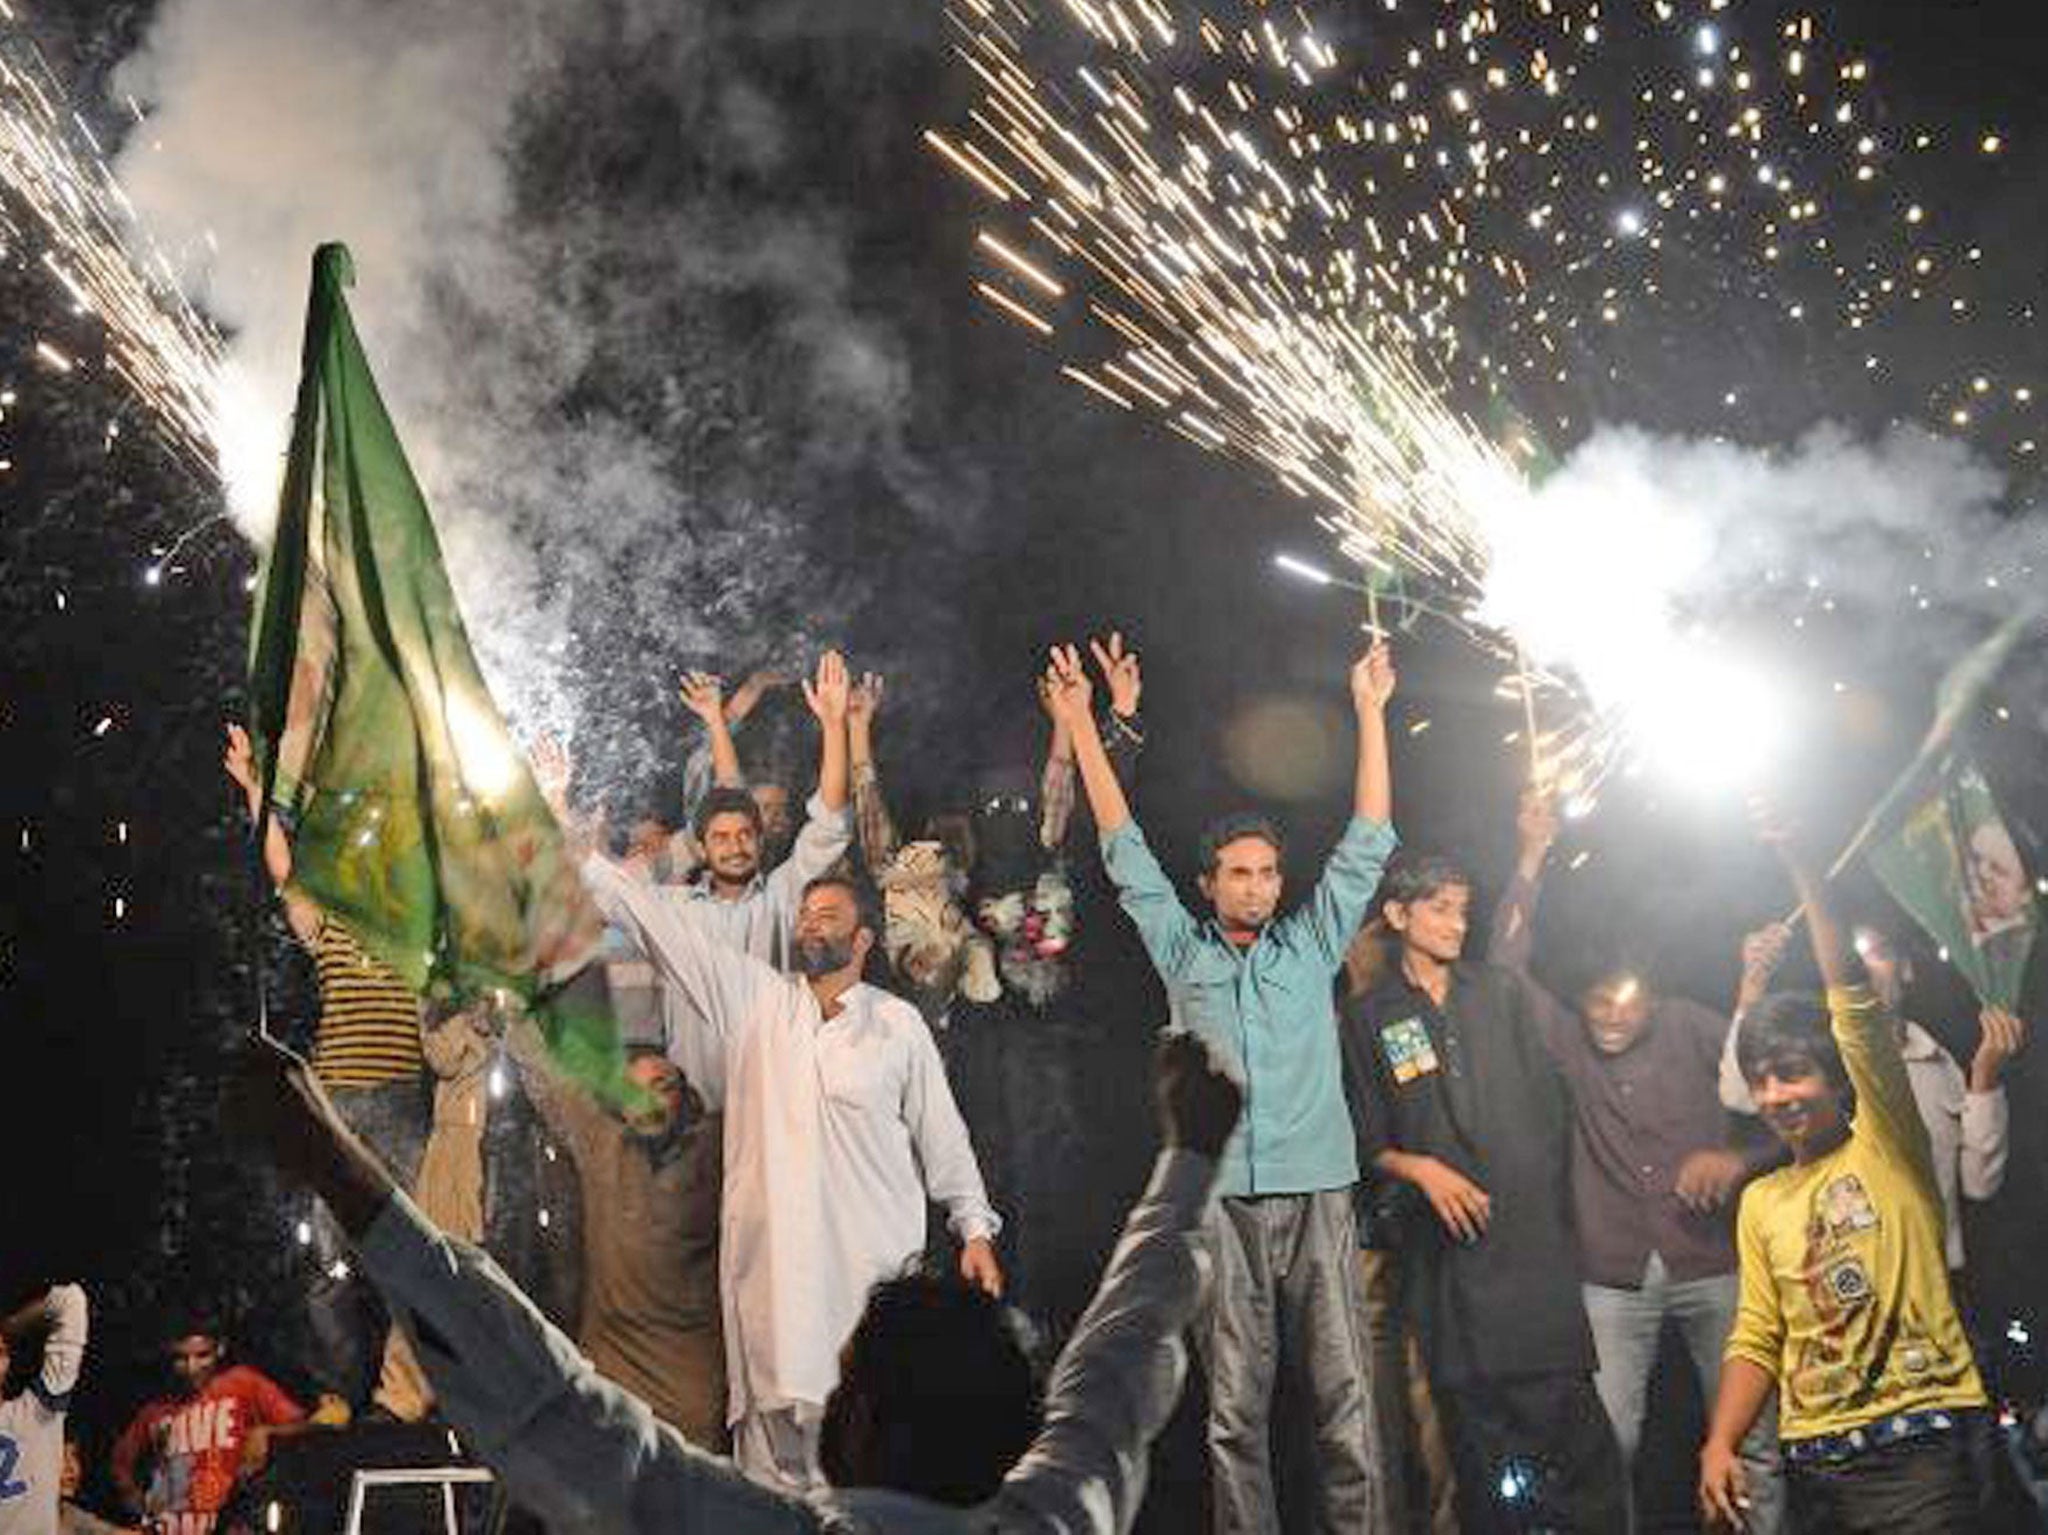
(1458, 1103)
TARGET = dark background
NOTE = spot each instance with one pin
(1072, 519)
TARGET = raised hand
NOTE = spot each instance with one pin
(864, 700)
(827, 692)
(1065, 689)
(2004, 1036)
(1535, 822)
(552, 769)
(752, 690)
(703, 696)
(1773, 828)
(1372, 677)
(1120, 674)
(240, 758)
(1199, 1102)
(1764, 950)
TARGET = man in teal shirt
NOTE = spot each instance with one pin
(1282, 1237)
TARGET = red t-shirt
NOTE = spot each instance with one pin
(195, 1445)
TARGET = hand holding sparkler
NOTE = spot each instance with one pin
(864, 701)
(1373, 679)
(1535, 830)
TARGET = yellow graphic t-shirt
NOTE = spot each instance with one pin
(1845, 1294)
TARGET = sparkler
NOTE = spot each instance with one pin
(1303, 255)
(98, 256)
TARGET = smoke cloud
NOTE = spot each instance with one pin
(615, 306)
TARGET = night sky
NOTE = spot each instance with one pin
(760, 291)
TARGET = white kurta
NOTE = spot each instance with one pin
(837, 1131)
(759, 922)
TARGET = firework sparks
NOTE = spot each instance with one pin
(1300, 235)
(53, 173)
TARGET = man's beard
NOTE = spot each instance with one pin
(822, 956)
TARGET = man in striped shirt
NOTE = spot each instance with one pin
(366, 1053)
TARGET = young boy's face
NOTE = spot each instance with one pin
(1797, 1101)
(1435, 923)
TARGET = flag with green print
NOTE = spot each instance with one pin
(414, 819)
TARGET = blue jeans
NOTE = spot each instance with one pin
(1627, 1325)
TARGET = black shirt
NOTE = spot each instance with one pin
(1472, 1085)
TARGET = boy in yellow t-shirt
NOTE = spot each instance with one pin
(1845, 1307)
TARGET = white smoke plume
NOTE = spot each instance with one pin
(1634, 561)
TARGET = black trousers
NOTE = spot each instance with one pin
(1938, 1484)
(1534, 1453)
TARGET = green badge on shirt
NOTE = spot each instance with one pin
(1408, 1049)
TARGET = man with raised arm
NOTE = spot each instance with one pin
(1259, 989)
(926, 1421)
(32, 1422)
(1845, 1307)
(839, 1127)
(732, 902)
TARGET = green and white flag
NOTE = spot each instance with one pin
(1952, 864)
(1940, 846)
(414, 818)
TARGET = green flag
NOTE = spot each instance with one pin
(414, 818)
(1939, 845)
(1953, 865)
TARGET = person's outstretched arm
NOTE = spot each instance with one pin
(580, 1452)
(300, 912)
(1120, 1374)
(703, 696)
(1864, 1030)
(1512, 942)
(1148, 898)
(872, 822)
(1337, 908)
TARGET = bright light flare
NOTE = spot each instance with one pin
(1303, 570)
(1708, 723)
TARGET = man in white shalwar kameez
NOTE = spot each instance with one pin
(839, 1126)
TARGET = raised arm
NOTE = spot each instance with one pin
(1763, 951)
(1372, 686)
(1986, 1116)
(1069, 699)
(1864, 1030)
(240, 762)
(569, 1108)
(59, 1313)
(1118, 731)
(826, 694)
(1120, 1374)
(510, 1383)
(721, 984)
(1512, 942)
(702, 695)
(876, 828)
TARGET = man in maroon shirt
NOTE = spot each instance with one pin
(1654, 1169)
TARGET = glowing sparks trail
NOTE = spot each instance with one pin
(1300, 234)
(54, 179)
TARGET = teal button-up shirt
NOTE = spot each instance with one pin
(1268, 1009)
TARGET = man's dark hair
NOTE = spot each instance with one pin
(1224, 830)
(1419, 877)
(193, 1322)
(863, 902)
(1789, 1027)
(936, 1396)
(723, 799)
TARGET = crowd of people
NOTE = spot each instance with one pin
(1424, 1218)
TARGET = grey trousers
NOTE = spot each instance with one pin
(1283, 1304)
